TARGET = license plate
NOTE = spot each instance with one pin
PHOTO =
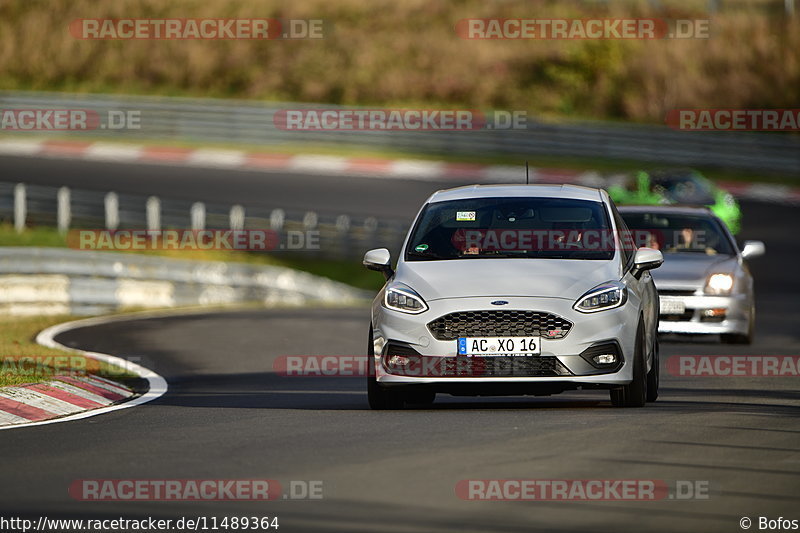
(672, 307)
(498, 345)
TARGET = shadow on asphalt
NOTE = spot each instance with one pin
(270, 391)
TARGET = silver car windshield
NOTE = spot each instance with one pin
(680, 233)
(517, 227)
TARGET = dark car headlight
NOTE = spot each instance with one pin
(605, 296)
(402, 298)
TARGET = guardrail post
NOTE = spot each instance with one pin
(111, 203)
(276, 219)
(343, 236)
(198, 216)
(153, 213)
(20, 207)
(310, 223)
(310, 220)
(236, 218)
(370, 231)
(64, 210)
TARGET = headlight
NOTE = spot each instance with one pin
(606, 296)
(404, 299)
(719, 284)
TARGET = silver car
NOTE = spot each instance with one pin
(704, 285)
(514, 289)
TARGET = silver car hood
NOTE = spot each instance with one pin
(691, 270)
(464, 278)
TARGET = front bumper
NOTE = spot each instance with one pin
(588, 329)
(705, 314)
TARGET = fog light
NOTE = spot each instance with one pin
(605, 359)
(398, 360)
(719, 311)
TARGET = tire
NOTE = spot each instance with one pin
(742, 338)
(634, 394)
(654, 374)
(421, 397)
(380, 398)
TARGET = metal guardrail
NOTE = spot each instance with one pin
(59, 281)
(339, 237)
(234, 121)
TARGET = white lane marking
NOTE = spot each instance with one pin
(507, 174)
(216, 158)
(39, 400)
(14, 147)
(416, 169)
(318, 163)
(113, 152)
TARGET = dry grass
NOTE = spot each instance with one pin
(407, 53)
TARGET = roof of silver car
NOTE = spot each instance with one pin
(576, 192)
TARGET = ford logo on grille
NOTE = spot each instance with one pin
(499, 302)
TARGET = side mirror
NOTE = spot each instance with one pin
(753, 249)
(379, 260)
(646, 259)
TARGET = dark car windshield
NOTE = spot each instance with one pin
(679, 233)
(683, 187)
(519, 227)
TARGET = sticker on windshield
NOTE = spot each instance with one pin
(465, 216)
(421, 247)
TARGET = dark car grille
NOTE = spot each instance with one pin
(531, 366)
(499, 324)
(676, 292)
(479, 367)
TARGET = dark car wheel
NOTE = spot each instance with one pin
(654, 374)
(634, 394)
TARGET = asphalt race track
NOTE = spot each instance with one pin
(227, 415)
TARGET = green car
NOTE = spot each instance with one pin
(679, 186)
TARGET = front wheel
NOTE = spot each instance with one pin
(380, 398)
(634, 394)
(653, 375)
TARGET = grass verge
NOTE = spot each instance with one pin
(22, 360)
